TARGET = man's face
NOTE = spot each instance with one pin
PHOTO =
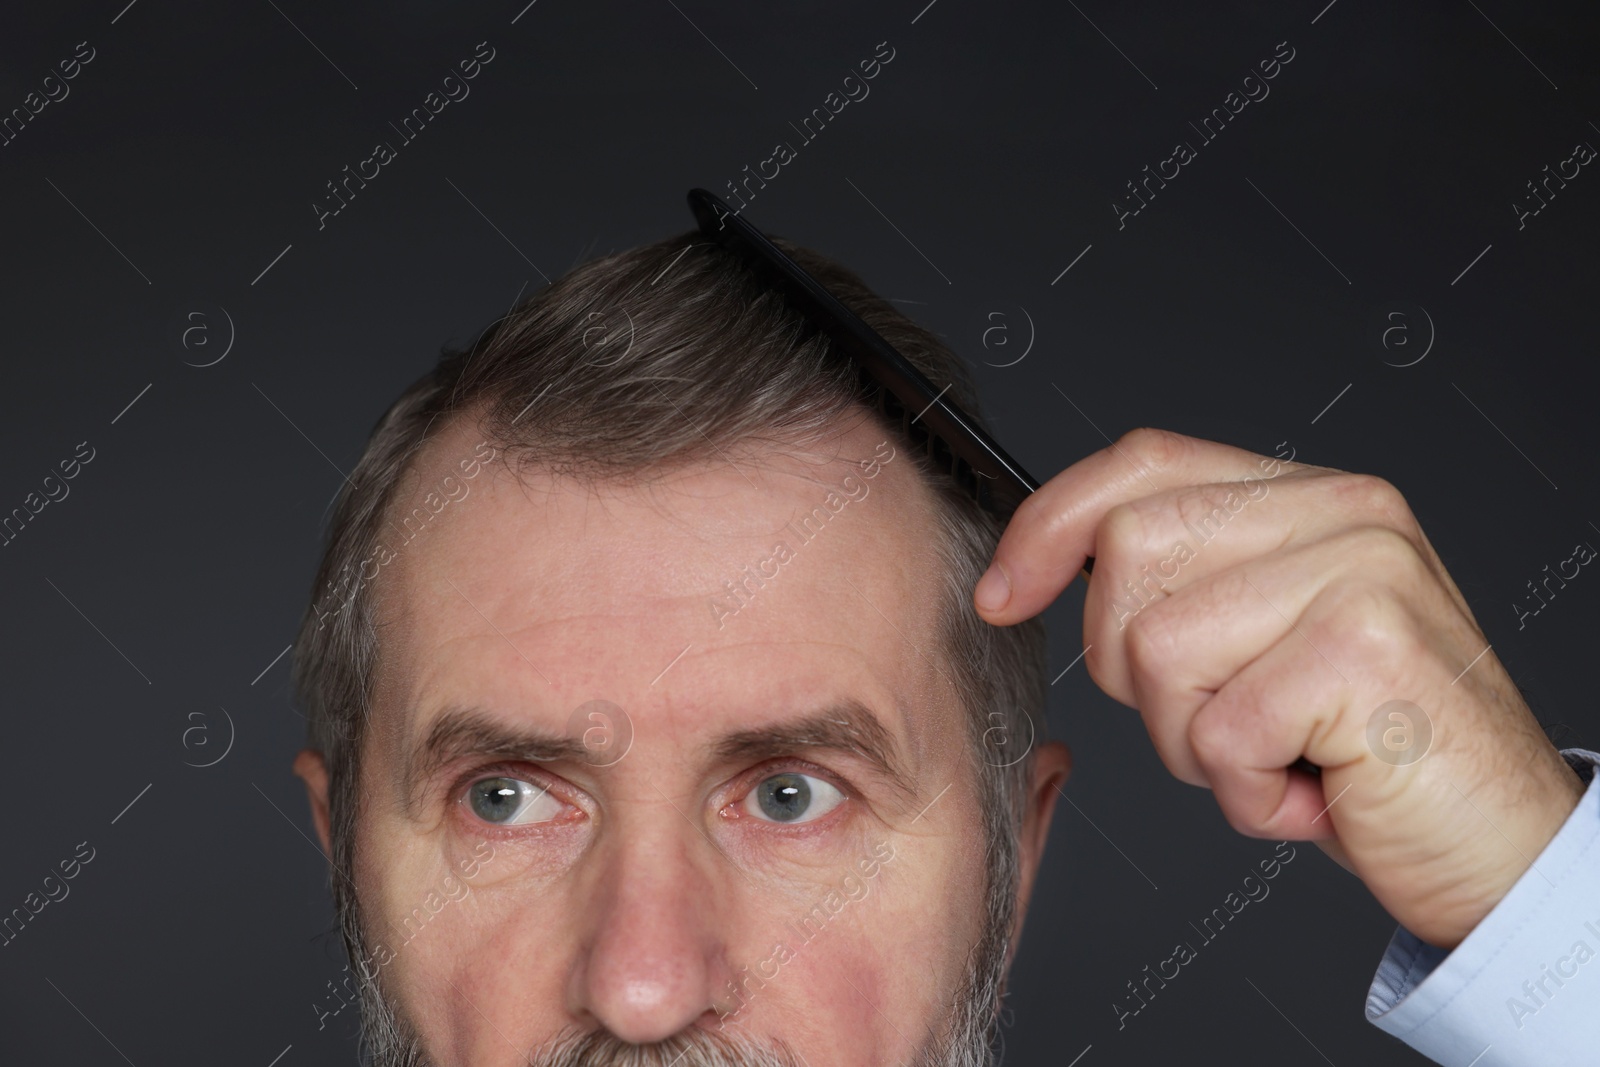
(789, 847)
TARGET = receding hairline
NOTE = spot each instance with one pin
(386, 606)
(476, 421)
(451, 437)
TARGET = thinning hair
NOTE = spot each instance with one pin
(634, 363)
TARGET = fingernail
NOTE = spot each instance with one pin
(994, 589)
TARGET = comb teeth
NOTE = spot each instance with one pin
(923, 438)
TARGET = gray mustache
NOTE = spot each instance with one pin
(691, 1048)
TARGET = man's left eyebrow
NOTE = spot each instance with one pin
(460, 732)
(849, 726)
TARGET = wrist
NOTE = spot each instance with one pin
(1555, 794)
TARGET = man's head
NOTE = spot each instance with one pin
(650, 718)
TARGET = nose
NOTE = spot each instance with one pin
(651, 942)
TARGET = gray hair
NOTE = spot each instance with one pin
(629, 365)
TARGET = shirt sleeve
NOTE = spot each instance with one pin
(1523, 988)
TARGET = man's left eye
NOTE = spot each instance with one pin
(792, 798)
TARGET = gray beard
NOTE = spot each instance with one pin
(388, 1039)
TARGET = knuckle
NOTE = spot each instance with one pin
(1384, 552)
(1151, 448)
(1143, 531)
(1123, 539)
(1121, 529)
(1150, 641)
(1139, 656)
(1368, 623)
(1207, 508)
(1211, 739)
(1370, 495)
(1097, 660)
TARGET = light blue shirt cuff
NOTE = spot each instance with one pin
(1523, 988)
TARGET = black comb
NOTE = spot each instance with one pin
(951, 438)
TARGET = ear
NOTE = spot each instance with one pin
(1052, 762)
(310, 767)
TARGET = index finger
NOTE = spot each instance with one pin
(1051, 535)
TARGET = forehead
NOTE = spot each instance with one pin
(732, 588)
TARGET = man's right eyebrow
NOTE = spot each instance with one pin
(460, 732)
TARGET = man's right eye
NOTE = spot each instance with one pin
(511, 802)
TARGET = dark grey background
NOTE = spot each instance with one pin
(186, 158)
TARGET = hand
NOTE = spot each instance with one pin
(1257, 610)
